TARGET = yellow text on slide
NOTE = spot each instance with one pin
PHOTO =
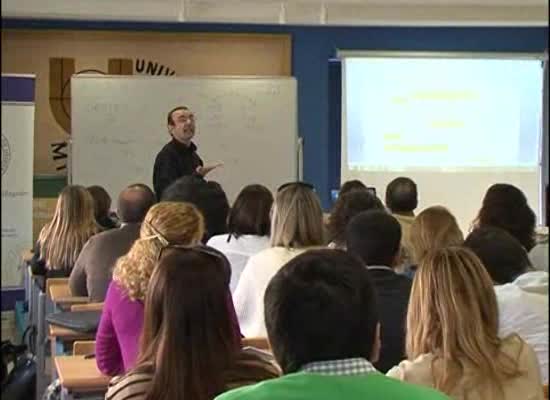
(447, 124)
(416, 148)
(447, 95)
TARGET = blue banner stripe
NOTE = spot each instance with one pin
(11, 296)
(18, 88)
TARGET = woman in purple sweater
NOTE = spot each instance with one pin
(117, 338)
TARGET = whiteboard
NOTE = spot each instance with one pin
(119, 126)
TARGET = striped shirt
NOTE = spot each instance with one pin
(252, 365)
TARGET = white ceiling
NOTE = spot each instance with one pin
(302, 12)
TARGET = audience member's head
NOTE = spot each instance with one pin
(401, 196)
(102, 202)
(73, 223)
(188, 331)
(209, 198)
(506, 207)
(321, 306)
(453, 315)
(134, 202)
(346, 207)
(375, 237)
(501, 254)
(432, 229)
(250, 212)
(297, 217)
(166, 223)
(351, 186)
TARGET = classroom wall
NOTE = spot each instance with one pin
(55, 55)
(312, 47)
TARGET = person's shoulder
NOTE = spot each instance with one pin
(218, 241)
(418, 371)
(401, 390)
(133, 385)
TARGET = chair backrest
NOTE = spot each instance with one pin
(83, 347)
(258, 342)
(55, 282)
(87, 307)
(545, 390)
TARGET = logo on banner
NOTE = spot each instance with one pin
(61, 71)
(6, 154)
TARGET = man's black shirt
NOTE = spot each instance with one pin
(174, 161)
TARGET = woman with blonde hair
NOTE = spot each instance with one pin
(432, 229)
(452, 338)
(122, 318)
(296, 225)
(62, 239)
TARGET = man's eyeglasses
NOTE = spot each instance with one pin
(298, 183)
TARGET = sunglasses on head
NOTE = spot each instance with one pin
(298, 183)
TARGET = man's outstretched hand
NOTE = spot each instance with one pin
(206, 169)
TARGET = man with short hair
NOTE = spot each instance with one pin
(402, 200)
(178, 157)
(94, 266)
(375, 236)
(322, 323)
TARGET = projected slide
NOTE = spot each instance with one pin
(444, 114)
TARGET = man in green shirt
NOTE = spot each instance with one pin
(322, 323)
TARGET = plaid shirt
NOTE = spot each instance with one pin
(348, 366)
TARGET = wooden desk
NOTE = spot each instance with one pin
(61, 295)
(80, 375)
(59, 332)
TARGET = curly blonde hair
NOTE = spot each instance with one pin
(165, 223)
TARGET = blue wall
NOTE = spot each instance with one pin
(312, 47)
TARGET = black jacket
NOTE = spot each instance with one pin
(174, 161)
(393, 292)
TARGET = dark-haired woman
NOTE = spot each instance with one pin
(248, 229)
(189, 349)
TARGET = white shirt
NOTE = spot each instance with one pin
(523, 308)
(238, 251)
(249, 294)
(539, 256)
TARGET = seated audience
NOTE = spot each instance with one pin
(522, 293)
(61, 240)
(432, 229)
(375, 237)
(247, 229)
(122, 318)
(296, 225)
(346, 207)
(452, 334)
(505, 206)
(402, 200)
(189, 348)
(322, 324)
(352, 186)
(102, 206)
(207, 196)
(93, 269)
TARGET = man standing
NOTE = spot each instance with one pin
(178, 157)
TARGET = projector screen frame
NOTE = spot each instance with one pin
(341, 54)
